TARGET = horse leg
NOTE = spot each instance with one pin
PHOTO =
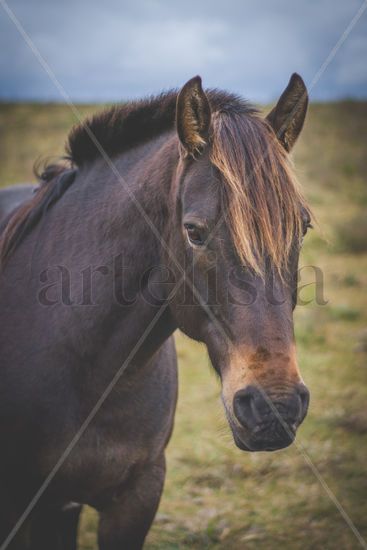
(68, 525)
(56, 529)
(125, 522)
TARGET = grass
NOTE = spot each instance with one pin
(216, 496)
(352, 233)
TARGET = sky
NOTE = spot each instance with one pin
(114, 50)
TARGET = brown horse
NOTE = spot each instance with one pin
(196, 223)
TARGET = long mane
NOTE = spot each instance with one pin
(262, 200)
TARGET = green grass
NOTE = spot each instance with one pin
(216, 496)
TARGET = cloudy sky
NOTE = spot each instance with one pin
(114, 49)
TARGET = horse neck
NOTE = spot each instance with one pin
(147, 190)
(133, 213)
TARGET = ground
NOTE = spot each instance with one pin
(309, 495)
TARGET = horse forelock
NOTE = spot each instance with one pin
(263, 201)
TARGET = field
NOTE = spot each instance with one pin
(215, 496)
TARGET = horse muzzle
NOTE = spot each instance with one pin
(265, 423)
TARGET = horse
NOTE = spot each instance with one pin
(176, 211)
(13, 196)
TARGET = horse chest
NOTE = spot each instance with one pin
(127, 433)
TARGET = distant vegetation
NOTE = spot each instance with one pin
(215, 496)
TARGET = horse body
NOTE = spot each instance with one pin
(89, 313)
(73, 351)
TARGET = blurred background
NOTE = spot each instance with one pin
(92, 53)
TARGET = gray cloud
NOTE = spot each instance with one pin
(114, 50)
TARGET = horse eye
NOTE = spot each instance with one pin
(306, 221)
(308, 225)
(194, 234)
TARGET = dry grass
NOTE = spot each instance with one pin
(215, 496)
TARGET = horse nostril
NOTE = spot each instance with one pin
(245, 409)
(304, 400)
(251, 407)
(255, 412)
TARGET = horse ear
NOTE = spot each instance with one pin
(288, 115)
(193, 117)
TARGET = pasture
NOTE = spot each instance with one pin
(215, 495)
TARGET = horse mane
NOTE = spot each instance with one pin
(121, 127)
(262, 200)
